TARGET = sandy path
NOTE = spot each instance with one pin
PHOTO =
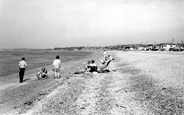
(141, 83)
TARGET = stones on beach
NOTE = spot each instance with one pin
(163, 88)
(65, 97)
(82, 108)
(156, 100)
(28, 103)
(61, 102)
(128, 91)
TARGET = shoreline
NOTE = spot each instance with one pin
(133, 87)
(10, 84)
(9, 59)
(49, 67)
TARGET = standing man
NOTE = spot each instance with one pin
(22, 66)
(57, 66)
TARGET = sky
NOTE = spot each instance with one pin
(66, 23)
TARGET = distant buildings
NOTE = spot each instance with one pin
(167, 46)
(132, 47)
(149, 47)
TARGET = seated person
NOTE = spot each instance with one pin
(93, 67)
(106, 61)
(85, 68)
(42, 73)
(110, 57)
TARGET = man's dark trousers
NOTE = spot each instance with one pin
(21, 74)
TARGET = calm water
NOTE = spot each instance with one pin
(9, 59)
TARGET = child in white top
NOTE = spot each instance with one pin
(57, 66)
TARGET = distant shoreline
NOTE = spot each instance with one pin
(35, 59)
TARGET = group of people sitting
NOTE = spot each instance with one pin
(91, 66)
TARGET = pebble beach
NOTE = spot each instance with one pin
(139, 83)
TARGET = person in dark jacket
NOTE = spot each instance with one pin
(93, 66)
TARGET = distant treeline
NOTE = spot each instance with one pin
(150, 47)
(76, 48)
(69, 48)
